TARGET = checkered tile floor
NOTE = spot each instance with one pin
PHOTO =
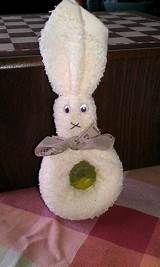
(131, 30)
(19, 34)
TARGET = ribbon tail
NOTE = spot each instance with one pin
(50, 146)
(101, 142)
(41, 151)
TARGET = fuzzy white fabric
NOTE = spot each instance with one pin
(73, 45)
(68, 202)
(63, 120)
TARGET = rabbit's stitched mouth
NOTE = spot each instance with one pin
(75, 125)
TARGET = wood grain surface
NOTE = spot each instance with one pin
(128, 101)
(25, 118)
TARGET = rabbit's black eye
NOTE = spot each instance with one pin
(67, 109)
(84, 108)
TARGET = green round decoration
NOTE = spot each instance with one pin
(82, 175)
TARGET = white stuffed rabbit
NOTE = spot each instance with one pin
(73, 45)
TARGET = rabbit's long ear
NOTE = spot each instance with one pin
(62, 47)
(96, 45)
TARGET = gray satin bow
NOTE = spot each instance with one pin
(90, 138)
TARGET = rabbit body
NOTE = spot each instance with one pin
(68, 202)
(74, 51)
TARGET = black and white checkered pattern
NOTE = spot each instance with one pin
(127, 30)
(19, 33)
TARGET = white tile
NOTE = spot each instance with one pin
(137, 18)
(2, 27)
(143, 29)
(4, 35)
(110, 17)
(24, 39)
(6, 47)
(120, 13)
(35, 26)
(103, 20)
(102, 17)
(19, 30)
(125, 22)
(11, 17)
(115, 26)
(132, 34)
(119, 40)
(17, 23)
(45, 16)
(32, 19)
(152, 23)
(156, 36)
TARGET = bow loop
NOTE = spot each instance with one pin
(90, 138)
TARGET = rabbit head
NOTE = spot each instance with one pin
(73, 46)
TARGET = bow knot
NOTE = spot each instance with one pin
(90, 138)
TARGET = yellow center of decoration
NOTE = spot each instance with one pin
(82, 175)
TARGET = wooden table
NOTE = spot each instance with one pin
(128, 97)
